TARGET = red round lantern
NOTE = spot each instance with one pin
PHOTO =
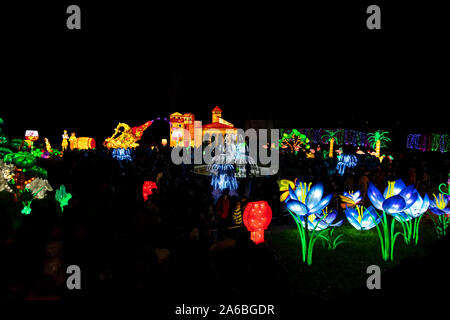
(257, 217)
(147, 189)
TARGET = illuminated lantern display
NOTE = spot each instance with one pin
(237, 214)
(164, 142)
(442, 186)
(346, 161)
(331, 136)
(428, 142)
(84, 143)
(62, 197)
(224, 177)
(122, 154)
(218, 126)
(257, 217)
(185, 131)
(147, 189)
(294, 140)
(73, 141)
(284, 185)
(48, 146)
(350, 199)
(362, 218)
(30, 137)
(65, 143)
(376, 139)
(125, 137)
(319, 222)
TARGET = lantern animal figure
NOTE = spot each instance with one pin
(257, 217)
(147, 189)
(126, 137)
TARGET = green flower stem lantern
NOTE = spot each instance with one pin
(26, 197)
(403, 203)
(306, 205)
(62, 197)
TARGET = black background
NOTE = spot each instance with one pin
(316, 65)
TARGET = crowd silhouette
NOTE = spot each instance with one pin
(179, 243)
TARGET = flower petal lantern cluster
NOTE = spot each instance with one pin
(350, 199)
(362, 218)
(257, 217)
(147, 189)
(397, 197)
(402, 202)
(307, 199)
(321, 221)
(439, 205)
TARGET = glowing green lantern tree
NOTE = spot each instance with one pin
(294, 140)
(331, 136)
(376, 139)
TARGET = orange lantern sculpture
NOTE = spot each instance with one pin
(147, 189)
(257, 217)
(85, 143)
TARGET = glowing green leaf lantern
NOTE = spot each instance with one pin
(62, 197)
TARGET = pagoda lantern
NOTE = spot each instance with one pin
(257, 217)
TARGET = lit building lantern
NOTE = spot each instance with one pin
(147, 189)
(164, 142)
(257, 217)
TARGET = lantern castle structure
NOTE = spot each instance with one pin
(218, 125)
(185, 131)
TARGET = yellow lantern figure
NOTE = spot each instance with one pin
(48, 147)
(164, 142)
(73, 141)
(65, 143)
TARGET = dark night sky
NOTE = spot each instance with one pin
(315, 65)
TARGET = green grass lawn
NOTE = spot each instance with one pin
(341, 270)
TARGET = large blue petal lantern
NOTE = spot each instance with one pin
(439, 205)
(321, 221)
(395, 199)
(351, 198)
(417, 209)
(362, 218)
(306, 200)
